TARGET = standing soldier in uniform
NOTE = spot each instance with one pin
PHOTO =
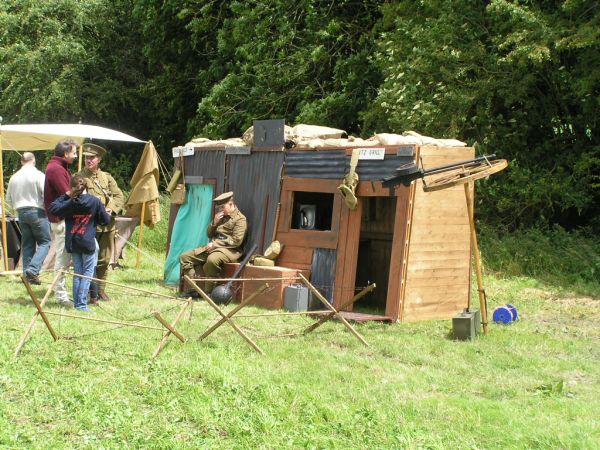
(226, 233)
(102, 185)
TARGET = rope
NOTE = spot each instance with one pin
(137, 249)
(161, 166)
(134, 320)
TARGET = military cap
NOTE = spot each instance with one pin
(93, 150)
(223, 198)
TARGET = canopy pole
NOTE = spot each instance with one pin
(80, 157)
(139, 249)
(3, 205)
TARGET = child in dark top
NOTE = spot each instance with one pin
(82, 212)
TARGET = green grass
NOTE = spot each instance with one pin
(533, 384)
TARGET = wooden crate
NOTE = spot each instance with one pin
(271, 299)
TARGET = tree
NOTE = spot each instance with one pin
(520, 79)
(302, 61)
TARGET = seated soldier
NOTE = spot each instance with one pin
(226, 233)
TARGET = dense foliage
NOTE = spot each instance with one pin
(521, 79)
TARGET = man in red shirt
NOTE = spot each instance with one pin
(57, 183)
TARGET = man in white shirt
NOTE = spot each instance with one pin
(25, 194)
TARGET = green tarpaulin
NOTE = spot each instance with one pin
(189, 229)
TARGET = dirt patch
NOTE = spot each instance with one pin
(536, 293)
(589, 302)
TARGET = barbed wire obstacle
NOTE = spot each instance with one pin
(328, 315)
(170, 329)
(167, 328)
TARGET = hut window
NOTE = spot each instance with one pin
(312, 211)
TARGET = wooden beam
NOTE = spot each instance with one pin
(36, 314)
(39, 307)
(335, 311)
(171, 329)
(222, 314)
(231, 313)
(139, 249)
(480, 289)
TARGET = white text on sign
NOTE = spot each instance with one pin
(371, 153)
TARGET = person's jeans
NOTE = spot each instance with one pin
(35, 231)
(62, 260)
(83, 264)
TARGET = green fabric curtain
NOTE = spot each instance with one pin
(189, 229)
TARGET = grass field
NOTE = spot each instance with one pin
(532, 384)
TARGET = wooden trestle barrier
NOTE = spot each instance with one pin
(328, 316)
(169, 328)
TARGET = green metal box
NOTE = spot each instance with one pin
(466, 325)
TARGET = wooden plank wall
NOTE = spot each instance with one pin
(439, 258)
(298, 245)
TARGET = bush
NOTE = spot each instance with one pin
(570, 259)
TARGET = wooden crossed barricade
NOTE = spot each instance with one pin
(167, 328)
(227, 318)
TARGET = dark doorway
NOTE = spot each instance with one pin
(374, 252)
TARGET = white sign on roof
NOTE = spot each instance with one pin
(186, 150)
(371, 153)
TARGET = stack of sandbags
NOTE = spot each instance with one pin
(412, 137)
(222, 143)
(268, 259)
(316, 136)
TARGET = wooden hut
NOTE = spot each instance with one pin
(414, 245)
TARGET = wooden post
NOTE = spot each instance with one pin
(169, 326)
(475, 248)
(276, 222)
(39, 307)
(35, 315)
(80, 157)
(3, 206)
(332, 309)
(139, 249)
(222, 314)
(165, 338)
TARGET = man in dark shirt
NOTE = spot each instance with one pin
(56, 184)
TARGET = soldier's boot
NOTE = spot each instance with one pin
(186, 289)
(93, 293)
(102, 295)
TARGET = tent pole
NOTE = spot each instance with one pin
(80, 157)
(139, 249)
(3, 205)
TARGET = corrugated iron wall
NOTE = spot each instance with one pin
(334, 165)
(209, 164)
(256, 181)
(322, 271)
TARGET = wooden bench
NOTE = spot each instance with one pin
(271, 299)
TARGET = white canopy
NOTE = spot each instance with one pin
(45, 136)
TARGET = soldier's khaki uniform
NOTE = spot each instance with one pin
(103, 185)
(227, 236)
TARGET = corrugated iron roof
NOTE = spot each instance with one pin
(334, 165)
